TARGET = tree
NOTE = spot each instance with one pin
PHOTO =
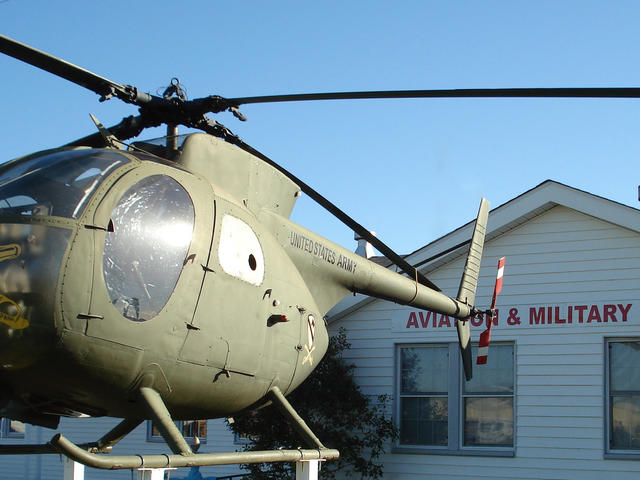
(340, 415)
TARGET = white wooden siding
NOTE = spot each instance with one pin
(559, 257)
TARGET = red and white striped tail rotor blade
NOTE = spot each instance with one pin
(498, 286)
(483, 347)
(485, 337)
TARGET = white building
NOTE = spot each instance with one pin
(560, 395)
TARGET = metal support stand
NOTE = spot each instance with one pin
(182, 455)
(307, 469)
(152, 473)
(73, 470)
(289, 413)
(163, 421)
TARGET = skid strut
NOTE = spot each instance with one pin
(182, 456)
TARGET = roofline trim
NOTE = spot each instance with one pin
(506, 216)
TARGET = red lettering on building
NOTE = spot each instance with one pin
(444, 320)
(536, 316)
(424, 318)
(624, 311)
(609, 313)
(594, 314)
(580, 309)
(413, 320)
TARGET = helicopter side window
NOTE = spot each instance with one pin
(240, 253)
(144, 255)
(58, 183)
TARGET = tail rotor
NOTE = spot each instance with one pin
(485, 337)
(469, 283)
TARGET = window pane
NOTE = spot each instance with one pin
(194, 428)
(154, 430)
(488, 421)
(624, 366)
(625, 422)
(497, 375)
(16, 428)
(58, 183)
(12, 428)
(424, 421)
(144, 255)
(202, 428)
(424, 369)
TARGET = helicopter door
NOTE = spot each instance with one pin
(231, 309)
(151, 258)
(204, 344)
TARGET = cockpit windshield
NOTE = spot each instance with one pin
(58, 183)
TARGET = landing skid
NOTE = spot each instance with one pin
(92, 454)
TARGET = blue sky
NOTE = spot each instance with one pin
(412, 170)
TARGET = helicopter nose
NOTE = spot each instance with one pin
(42, 196)
(30, 259)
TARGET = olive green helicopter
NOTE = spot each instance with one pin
(164, 280)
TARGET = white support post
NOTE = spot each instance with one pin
(307, 469)
(152, 473)
(73, 470)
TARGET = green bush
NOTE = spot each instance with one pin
(340, 415)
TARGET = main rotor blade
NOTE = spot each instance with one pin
(89, 80)
(595, 92)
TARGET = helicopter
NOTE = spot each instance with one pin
(164, 279)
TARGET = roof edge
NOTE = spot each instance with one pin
(512, 213)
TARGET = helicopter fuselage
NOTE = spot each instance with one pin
(132, 272)
(121, 270)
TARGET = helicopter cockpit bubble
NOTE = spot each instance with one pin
(55, 184)
(34, 190)
(144, 254)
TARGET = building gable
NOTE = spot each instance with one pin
(571, 285)
(505, 218)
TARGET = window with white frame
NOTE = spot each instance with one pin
(623, 396)
(12, 428)
(189, 429)
(424, 372)
(437, 410)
